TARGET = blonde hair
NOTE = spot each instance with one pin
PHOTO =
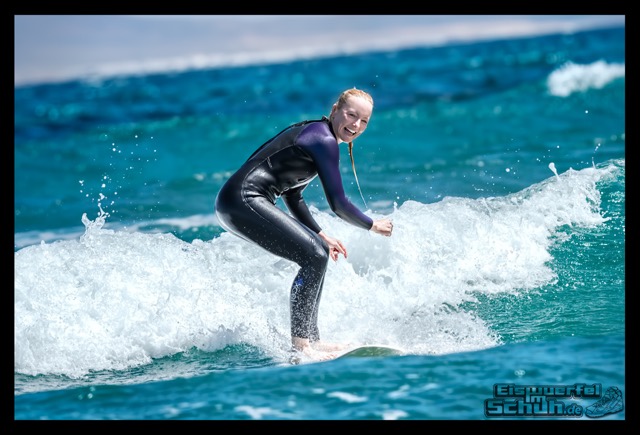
(353, 92)
(342, 99)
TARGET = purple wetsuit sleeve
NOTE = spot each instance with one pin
(323, 149)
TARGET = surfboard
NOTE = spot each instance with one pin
(362, 351)
(371, 350)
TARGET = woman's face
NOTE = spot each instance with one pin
(351, 119)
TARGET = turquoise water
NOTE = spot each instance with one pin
(502, 164)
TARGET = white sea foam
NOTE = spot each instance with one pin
(115, 299)
(573, 77)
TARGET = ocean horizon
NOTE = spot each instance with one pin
(56, 48)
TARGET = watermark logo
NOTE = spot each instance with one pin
(511, 400)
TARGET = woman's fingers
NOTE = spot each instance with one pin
(337, 248)
(343, 249)
(384, 227)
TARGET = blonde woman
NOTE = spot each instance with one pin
(283, 167)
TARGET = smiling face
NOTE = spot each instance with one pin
(350, 118)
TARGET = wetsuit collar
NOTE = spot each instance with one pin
(325, 119)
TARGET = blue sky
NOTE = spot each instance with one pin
(50, 48)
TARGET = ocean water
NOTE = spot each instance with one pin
(501, 163)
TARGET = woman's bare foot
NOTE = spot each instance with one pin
(329, 347)
(318, 355)
(303, 346)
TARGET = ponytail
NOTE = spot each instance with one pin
(353, 165)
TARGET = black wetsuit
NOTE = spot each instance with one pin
(283, 167)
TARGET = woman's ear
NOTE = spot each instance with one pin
(333, 110)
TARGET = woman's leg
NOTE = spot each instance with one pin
(305, 298)
(263, 223)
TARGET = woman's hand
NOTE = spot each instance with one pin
(335, 246)
(383, 227)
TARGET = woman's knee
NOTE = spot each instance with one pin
(322, 251)
(317, 254)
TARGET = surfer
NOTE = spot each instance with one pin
(283, 167)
